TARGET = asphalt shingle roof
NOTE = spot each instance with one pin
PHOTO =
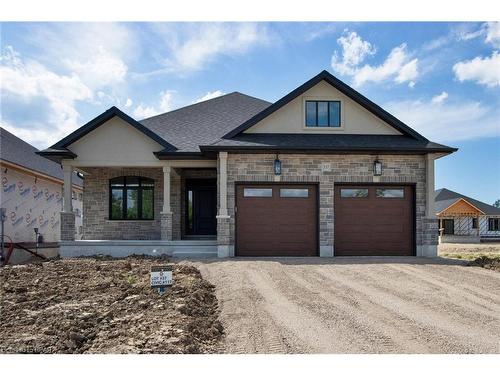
(206, 122)
(17, 151)
(329, 142)
(444, 198)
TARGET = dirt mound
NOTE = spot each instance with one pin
(492, 263)
(102, 305)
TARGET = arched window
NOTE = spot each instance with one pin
(131, 198)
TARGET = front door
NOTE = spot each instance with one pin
(201, 207)
(449, 226)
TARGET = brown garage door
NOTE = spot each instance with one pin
(373, 220)
(276, 220)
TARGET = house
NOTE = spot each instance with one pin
(32, 191)
(464, 219)
(322, 171)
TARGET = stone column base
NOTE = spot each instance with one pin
(326, 251)
(166, 226)
(67, 226)
(224, 247)
(427, 251)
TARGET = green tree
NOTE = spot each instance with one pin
(497, 203)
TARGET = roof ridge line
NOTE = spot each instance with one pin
(204, 101)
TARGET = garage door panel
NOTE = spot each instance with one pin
(276, 226)
(373, 225)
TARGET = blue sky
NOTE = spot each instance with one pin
(443, 79)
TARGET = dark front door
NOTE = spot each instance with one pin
(201, 207)
(449, 226)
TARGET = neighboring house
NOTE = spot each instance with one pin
(464, 219)
(31, 192)
(323, 171)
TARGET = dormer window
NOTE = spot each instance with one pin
(323, 113)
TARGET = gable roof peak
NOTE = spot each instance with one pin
(103, 118)
(343, 88)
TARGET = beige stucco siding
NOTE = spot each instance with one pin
(354, 118)
(115, 142)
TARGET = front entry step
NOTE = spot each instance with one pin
(194, 249)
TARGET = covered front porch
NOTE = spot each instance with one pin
(172, 208)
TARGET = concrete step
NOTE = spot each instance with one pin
(193, 243)
(194, 248)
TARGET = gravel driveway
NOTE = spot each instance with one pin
(356, 305)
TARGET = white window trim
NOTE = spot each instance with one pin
(328, 128)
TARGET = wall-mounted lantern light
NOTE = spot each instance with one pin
(377, 168)
(277, 166)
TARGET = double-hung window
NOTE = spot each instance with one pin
(323, 113)
(131, 198)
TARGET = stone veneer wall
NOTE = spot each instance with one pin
(96, 223)
(327, 170)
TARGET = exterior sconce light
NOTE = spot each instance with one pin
(277, 166)
(377, 168)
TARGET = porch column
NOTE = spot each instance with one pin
(222, 184)
(224, 247)
(67, 218)
(166, 213)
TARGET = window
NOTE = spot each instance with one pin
(253, 192)
(131, 198)
(474, 223)
(493, 224)
(80, 196)
(354, 193)
(322, 114)
(390, 193)
(294, 193)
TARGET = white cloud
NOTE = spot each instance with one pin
(440, 98)
(485, 71)
(354, 51)
(27, 79)
(318, 31)
(100, 69)
(493, 34)
(490, 31)
(128, 103)
(397, 66)
(190, 47)
(447, 122)
(75, 62)
(164, 105)
(209, 95)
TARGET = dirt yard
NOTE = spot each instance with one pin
(356, 305)
(105, 306)
(486, 255)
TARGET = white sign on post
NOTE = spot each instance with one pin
(161, 276)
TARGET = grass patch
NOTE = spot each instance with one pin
(472, 256)
(489, 261)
